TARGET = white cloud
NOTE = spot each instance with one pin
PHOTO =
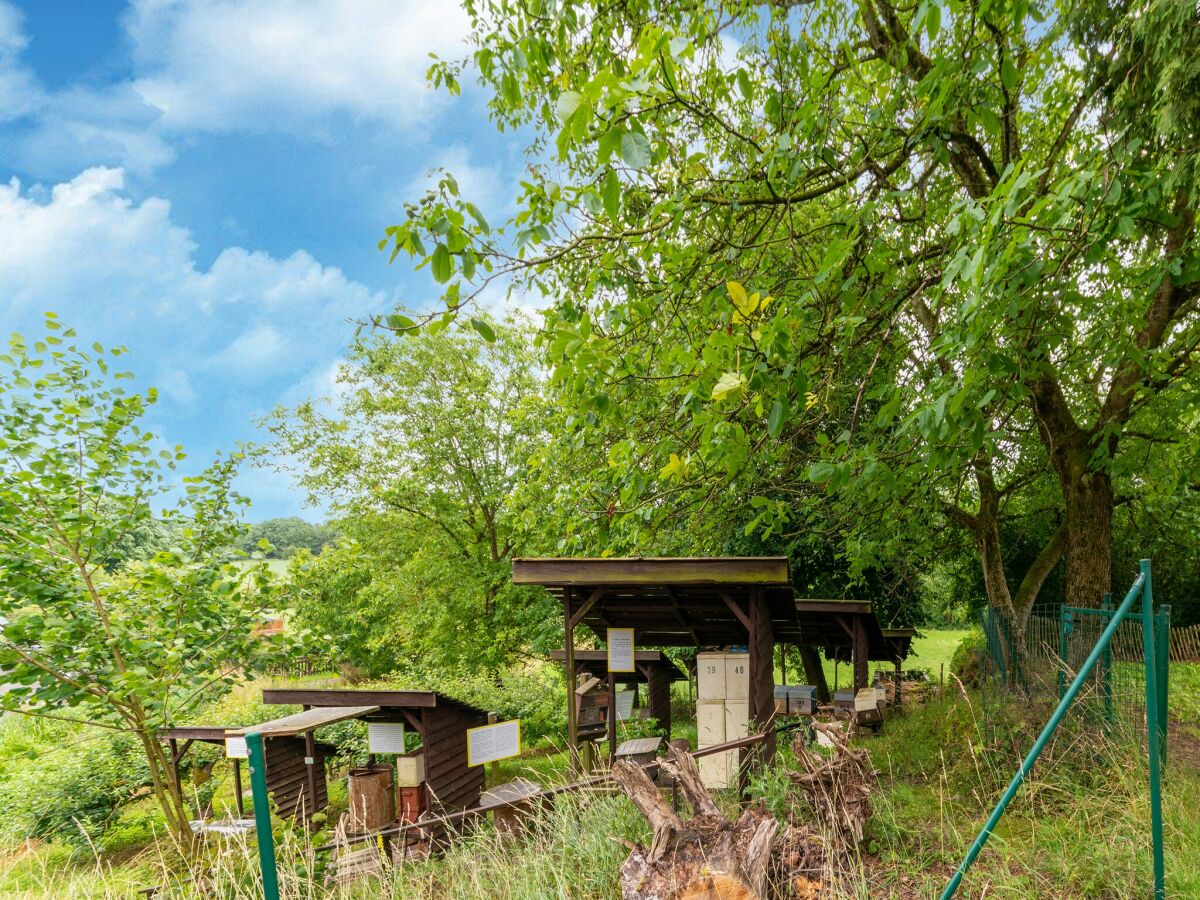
(91, 254)
(229, 64)
(20, 93)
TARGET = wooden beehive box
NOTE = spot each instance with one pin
(591, 708)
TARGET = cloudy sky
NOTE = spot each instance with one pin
(205, 181)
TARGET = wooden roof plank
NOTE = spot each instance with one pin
(743, 570)
(301, 722)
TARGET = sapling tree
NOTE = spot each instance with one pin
(133, 647)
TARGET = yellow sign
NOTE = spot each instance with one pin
(488, 743)
(620, 650)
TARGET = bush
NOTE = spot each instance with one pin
(72, 786)
(967, 661)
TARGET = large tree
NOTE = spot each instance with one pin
(945, 252)
(423, 456)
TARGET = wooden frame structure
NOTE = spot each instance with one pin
(295, 765)
(707, 602)
(441, 721)
(674, 602)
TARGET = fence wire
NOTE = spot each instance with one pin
(1035, 667)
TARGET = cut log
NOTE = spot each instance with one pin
(681, 766)
(705, 858)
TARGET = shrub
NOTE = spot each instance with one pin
(968, 658)
(73, 788)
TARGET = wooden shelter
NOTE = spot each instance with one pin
(295, 765)
(654, 669)
(675, 602)
(706, 602)
(450, 784)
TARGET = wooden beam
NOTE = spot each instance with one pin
(179, 754)
(862, 650)
(850, 632)
(586, 607)
(612, 718)
(572, 715)
(679, 615)
(736, 610)
(769, 570)
(350, 697)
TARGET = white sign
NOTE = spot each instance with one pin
(235, 748)
(488, 743)
(620, 650)
(385, 737)
(624, 705)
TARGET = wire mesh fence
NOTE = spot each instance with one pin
(1035, 663)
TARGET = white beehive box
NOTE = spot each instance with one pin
(737, 719)
(737, 676)
(710, 722)
(710, 676)
(865, 700)
(719, 770)
(410, 770)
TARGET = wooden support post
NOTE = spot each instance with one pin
(572, 715)
(494, 767)
(310, 764)
(612, 719)
(861, 650)
(762, 684)
(899, 678)
(237, 788)
(174, 747)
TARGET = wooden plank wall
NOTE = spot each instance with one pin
(658, 697)
(287, 778)
(451, 784)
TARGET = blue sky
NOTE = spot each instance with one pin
(205, 181)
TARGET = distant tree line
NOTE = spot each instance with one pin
(287, 535)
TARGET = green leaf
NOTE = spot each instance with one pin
(610, 194)
(441, 264)
(779, 414)
(566, 105)
(400, 323)
(728, 383)
(1008, 74)
(485, 330)
(635, 150)
(933, 20)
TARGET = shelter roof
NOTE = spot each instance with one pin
(302, 722)
(669, 601)
(384, 699)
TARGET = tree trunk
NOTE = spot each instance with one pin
(814, 672)
(706, 857)
(1089, 512)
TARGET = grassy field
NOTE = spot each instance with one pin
(1078, 829)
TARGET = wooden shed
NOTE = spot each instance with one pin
(442, 722)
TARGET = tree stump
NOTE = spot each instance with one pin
(705, 858)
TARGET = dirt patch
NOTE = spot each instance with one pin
(1183, 745)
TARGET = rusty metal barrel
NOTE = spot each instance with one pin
(372, 798)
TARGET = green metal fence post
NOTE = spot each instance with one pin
(1044, 738)
(1065, 627)
(1106, 669)
(1152, 731)
(262, 816)
(1162, 651)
